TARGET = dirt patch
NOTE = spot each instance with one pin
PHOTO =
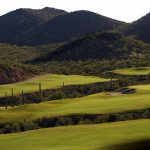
(114, 93)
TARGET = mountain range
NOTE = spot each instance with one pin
(49, 25)
(33, 27)
(68, 26)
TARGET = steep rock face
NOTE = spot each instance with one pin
(66, 27)
(17, 22)
(13, 74)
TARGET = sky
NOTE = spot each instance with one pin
(124, 10)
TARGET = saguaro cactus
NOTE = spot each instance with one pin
(12, 97)
(6, 103)
(40, 92)
(22, 95)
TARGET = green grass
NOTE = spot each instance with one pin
(48, 81)
(100, 103)
(133, 71)
(81, 137)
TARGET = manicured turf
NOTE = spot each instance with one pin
(133, 71)
(82, 137)
(48, 81)
(94, 104)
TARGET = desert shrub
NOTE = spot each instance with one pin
(57, 95)
(75, 94)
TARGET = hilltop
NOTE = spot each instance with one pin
(68, 26)
(17, 22)
(140, 29)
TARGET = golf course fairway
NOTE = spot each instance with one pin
(101, 103)
(48, 81)
(80, 137)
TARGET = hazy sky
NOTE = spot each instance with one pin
(125, 10)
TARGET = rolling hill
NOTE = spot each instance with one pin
(66, 27)
(17, 22)
(140, 29)
(99, 46)
(100, 103)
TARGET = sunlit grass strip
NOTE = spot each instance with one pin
(49, 81)
(81, 137)
(133, 71)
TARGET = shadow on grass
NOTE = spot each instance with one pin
(138, 145)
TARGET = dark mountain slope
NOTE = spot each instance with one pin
(140, 29)
(20, 21)
(13, 54)
(100, 46)
(66, 27)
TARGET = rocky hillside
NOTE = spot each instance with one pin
(12, 74)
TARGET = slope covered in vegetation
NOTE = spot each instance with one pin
(100, 46)
(66, 27)
(140, 29)
(15, 23)
(16, 54)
